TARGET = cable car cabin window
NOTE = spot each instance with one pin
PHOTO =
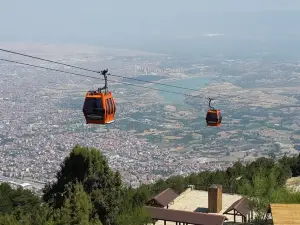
(108, 106)
(93, 108)
(112, 105)
(212, 117)
(91, 104)
(113, 101)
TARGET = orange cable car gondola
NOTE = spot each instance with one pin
(99, 107)
(213, 116)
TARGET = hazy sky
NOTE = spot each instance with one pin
(90, 20)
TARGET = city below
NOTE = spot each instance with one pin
(156, 134)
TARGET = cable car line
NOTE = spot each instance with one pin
(99, 107)
(94, 71)
(213, 117)
(82, 75)
(47, 68)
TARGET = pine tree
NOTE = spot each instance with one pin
(8, 220)
(89, 167)
(77, 207)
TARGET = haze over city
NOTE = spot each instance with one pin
(157, 25)
(215, 47)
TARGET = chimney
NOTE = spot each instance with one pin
(215, 198)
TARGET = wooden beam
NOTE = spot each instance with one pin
(234, 214)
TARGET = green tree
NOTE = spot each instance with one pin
(134, 216)
(257, 192)
(177, 183)
(39, 215)
(296, 166)
(8, 220)
(77, 207)
(21, 199)
(87, 191)
(89, 167)
(6, 204)
(158, 186)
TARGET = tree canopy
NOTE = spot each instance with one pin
(87, 191)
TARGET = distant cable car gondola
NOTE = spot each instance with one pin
(99, 107)
(213, 116)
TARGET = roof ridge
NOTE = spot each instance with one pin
(239, 202)
(159, 194)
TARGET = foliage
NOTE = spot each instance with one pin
(282, 195)
(90, 168)
(19, 199)
(88, 192)
(8, 220)
(133, 216)
(77, 207)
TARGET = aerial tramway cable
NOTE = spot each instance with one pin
(105, 116)
(211, 112)
(94, 71)
(98, 78)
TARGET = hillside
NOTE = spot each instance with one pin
(87, 191)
